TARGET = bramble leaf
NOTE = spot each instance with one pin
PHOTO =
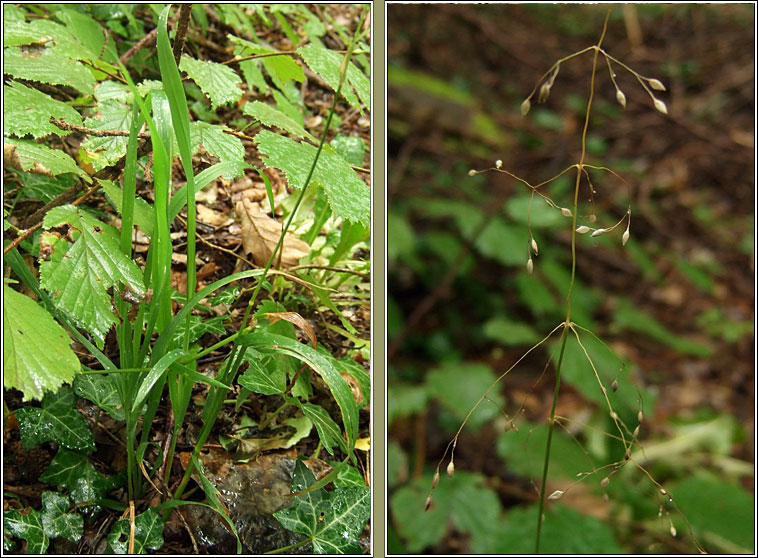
(28, 111)
(217, 142)
(269, 116)
(220, 83)
(326, 63)
(80, 279)
(28, 156)
(48, 66)
(28, 327)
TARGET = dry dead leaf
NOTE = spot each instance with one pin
(260, 233)
(297, 320)
(211, 217)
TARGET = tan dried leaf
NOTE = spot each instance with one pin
(260, 233)
(211, 217)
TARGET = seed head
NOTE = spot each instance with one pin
(625, 236)
(544, 93)
(657, 85)
(640, 416)
(428, 503)
(621, 98)
(604, 482)
(535, 248)
(525, 106)
(530, 266)
(515, 427)
(498, 164)
(436, 479)
(472, 172)
(566, 211)
(450, 468)
(614, 385)
(555, 495)
(598, 232)
(582, 229)
(672, 530)
(660, 106)
(636, 431)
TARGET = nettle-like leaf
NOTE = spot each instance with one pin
(333, 521)
(57, 521)
(217, 142)
(25, 155)
(28, 111)
(326, 63)
(269, 116)
(105, 151)
(57, 421)
(27, 526)
(28, 328)
(348, 195)
(79, 280)
(351, 148)
(47, 66)
(74, 472)
(220, 83)
(17, 32)
(283, 70)
(148, 533)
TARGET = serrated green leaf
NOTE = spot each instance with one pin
(226, 147)
(18, 33)
(40, 159)
(269, 116)
(219, 82)
(48, 66)
(28, 111)
(89, 33)
(102, 390)
(271, 343)
(44, 188)
(57, 420)
(93, 264)
(350, 148)
(333, 521)
(143, 211)
(348, 195)
(57, 521)
(74, 472)
(109, 90)
(27, 526)
(148, 533)
(326, 63)
(37, 356)
(105, 151)
(253, 76)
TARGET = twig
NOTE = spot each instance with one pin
(181, 31)
(63, 125)
(144, 42)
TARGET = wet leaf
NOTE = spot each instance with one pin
(28, 111)
(148, 533)
(28, 527)
(260, 234)
(102, 390)
(57, 421)
(56, 519)
(270, 116)
(218, 82)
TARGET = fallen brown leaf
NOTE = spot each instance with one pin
(260, 233)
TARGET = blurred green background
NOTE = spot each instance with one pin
(676, 303)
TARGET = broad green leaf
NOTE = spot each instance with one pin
(714, 506)
(326, 63)
(262, 376)
(18, 33)
(57, 521)
(27, 526)
(348, 195)
(564, 531)
(460, 385)
(282, 69)
(351, 149)
(199, 327)
(74, 472)
(109, 90)
(269, 116)
(328, 431)
(57, 420)
(48, 66)
(405, 400)
(37, 356)
(324, 366)
(148, 533)
(143, 211)
(219, 82)
(93, 264)
(89, 33)
(253, 76)
(508, 332)
(105, 151)
(102, 390)
(44, 188)
(28, 111)
(41, 159)
(332, 521)
(216, 142)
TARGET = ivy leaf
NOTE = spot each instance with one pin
(56, 519)
(148, 533)
(269, 116)
(102, 390)
(27, 526)
(28, 111)
(74, 472)
(80, 278)
(48, 66)
(333, 521)
(348, 195)
(25, 155)
(216, 142)
(28, 328)
(57, 420)
(326, 63)
(220, 83)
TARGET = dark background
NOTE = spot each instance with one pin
(677, 303)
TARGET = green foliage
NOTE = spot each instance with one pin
(331, 521)
(148, 534)
(57, 420)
